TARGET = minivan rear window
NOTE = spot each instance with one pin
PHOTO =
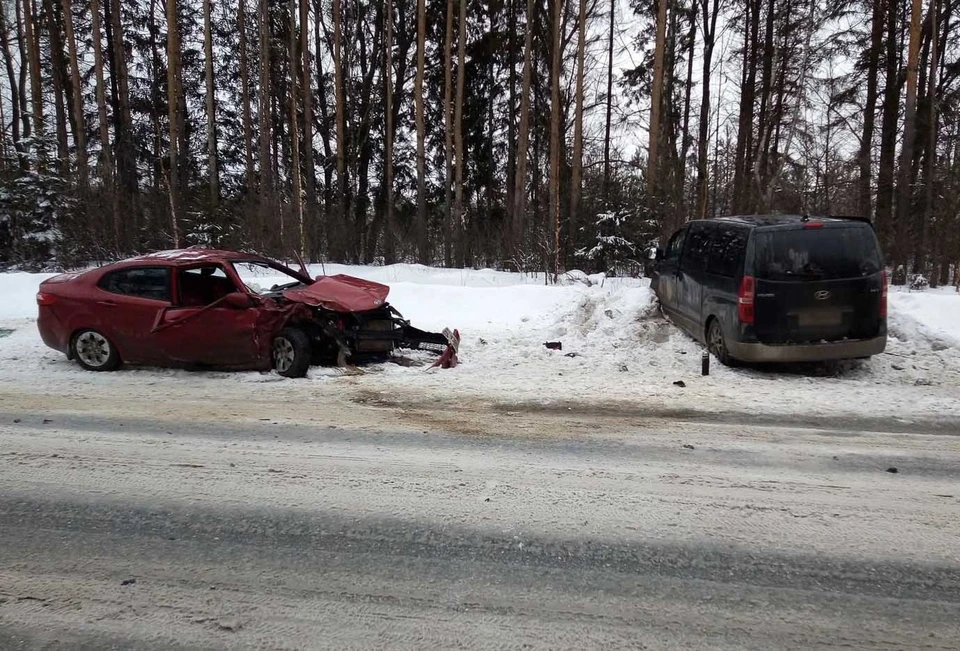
(816, 254)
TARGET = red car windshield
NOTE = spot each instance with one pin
(263, 278)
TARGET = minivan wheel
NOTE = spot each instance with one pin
(717, 345)
(94, 352)
(291, 352)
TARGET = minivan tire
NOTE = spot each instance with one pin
(717, 344)
(292, 353)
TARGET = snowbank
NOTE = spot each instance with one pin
(616, 349)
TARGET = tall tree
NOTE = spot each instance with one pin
(174, 117)
(123, 121)
(265, 120)
(555, 116)
(212, 156)
(16, 90)
(421, 229)
(609, 114)
(865, 155)
(309, 171)
(448, 137)
(338, 236)
(458, 132)
(576, 174)
(79, 119)
(904, 190)
(656, 100)
(520, 191)
(245, 109)
(709, 14)
(888, 127)
(31, 24)
(295, 172)
(390, 235)
(105, 161)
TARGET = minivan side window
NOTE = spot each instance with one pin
(675, 246)
(727, 245)
(142, 282)
(698, 248)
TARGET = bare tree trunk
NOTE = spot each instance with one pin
(656, 99)
(888, 130)
(606, 137)
(31, 23)
(126, 165)
(448, 138)
(555, 111)
(520, 191)
(266, 123)
(339, 234)
(576, 180)
(173, 102)
(16, 91)
(211, 109)
(932, 133)
(458, 134)
(307, 155)
(25, 113)
(709, 15)
(390, 235)
(864, 158)
(422, 242)
(58, 69)
(105, 162)
(742, 196)
(80, 123)
(904, 191)
(296, 189)
(245, 96)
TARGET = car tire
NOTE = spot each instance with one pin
(93, 351)
(717, 343)
(291, 353)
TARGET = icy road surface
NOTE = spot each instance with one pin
(168, 525)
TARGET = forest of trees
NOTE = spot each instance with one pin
(471, 132)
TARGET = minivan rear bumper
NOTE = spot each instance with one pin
(807, 352)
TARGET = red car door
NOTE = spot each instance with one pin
(202, 328)
(125, 305)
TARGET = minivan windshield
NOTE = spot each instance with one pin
(816, 254)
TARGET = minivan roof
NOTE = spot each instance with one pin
(783, 220)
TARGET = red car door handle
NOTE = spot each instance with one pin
(107, 303)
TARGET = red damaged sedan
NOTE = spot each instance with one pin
(204, 308)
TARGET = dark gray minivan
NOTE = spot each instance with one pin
(783, 288)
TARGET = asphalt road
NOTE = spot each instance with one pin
(125, 533)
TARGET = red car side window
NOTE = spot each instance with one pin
(142, 282)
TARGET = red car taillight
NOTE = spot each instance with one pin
(745, 300)
(883, 293)
(45, 299)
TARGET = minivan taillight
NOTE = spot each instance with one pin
(45, 299)
(883, 293)
(745, 299)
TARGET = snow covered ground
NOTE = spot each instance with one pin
(617, 351)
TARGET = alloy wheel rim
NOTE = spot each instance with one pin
(93, 349)
(283, 354)
(716, 341)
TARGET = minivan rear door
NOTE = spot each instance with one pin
(817, 281)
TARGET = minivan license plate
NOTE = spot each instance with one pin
(820, 318)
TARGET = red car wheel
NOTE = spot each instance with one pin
(94, 352)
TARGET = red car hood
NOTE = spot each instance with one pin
(341, 294)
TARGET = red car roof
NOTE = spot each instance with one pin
(192, 256)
